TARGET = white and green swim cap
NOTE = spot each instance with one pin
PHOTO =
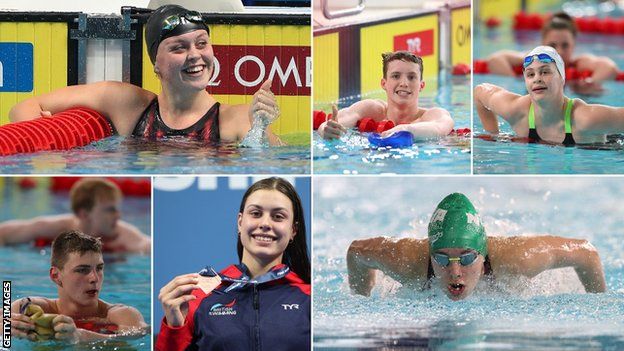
(455, 223)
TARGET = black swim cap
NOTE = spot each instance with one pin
(155, 33)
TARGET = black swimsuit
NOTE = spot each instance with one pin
(152, 126)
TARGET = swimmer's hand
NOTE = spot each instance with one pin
(22, 327)
(587, 86)
(65, 329)
(332, 128)
(175, 296)
(264, 105)
(399, 128)
(46, 114)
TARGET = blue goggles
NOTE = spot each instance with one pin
(465, 259)
(544, 58)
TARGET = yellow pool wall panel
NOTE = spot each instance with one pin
(326, 65)
(295, 110)
(460, 36)
(49, 40)
(499, 8)
(377, 39)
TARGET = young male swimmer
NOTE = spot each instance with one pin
(96, 210)
(77, 315)
(545, 113)
(560, 32)
(178, 43)
(458, 252)
(402, 81)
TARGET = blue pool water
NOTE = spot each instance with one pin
(494, 157)
(450, 155)
(549, 312)
(119, 155)
(127, 278)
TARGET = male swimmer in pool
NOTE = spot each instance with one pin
(545, 114)
(95, 204)
(560, 32)
(402, 81)
(178, 43)
(78, 315)
(458, 252)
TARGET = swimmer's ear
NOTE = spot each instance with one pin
(422, 85)
(54, 276)
(238, 222)
(383, 83)
(82, 213)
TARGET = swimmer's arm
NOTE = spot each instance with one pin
(139, 242)
(20, 231)
(551, 252)
(503, 62)
(122, 103)
(603, 68)
(601, 118)
(435, 123)
(397, 258)
(348, 117)
(492, 101)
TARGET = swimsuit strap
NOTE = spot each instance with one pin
(531, 117)
(568, 116)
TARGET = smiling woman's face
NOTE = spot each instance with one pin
(266, 226)
(185, 60)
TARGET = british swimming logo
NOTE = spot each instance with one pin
(220, 309)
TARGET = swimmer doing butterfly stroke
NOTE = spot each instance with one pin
(545, 114)
(458, 253)
(178, 43)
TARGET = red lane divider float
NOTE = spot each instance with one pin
(63, 131)
(129, 186)
(481, 67)
(367, 124)
(535, 21)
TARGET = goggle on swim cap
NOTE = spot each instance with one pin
(455, 223)
(169, 21)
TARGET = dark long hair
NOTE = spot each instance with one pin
(560, 20)
(296, 253)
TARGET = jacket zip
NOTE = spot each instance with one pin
(256, 306)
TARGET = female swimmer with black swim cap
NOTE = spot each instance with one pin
(560, 33)
(178, 43)
(458, 253)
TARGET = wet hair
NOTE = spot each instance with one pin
(154, 27)
(85, 192)
(560, 20)
(72, 241)
(406, 56)
(296, 253)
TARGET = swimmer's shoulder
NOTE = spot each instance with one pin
(234, 121)
(48, 305)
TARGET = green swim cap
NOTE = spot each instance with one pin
(456, 224)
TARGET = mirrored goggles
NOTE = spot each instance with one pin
(544, 58)
(465, 259)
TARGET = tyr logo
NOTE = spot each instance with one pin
(290, 307)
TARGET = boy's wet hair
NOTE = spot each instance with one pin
(87, 190)
(72, 241)
(406, 56)
(560, 20)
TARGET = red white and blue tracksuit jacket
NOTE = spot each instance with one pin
(268, 313)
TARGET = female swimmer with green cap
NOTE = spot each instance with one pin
(458, 253)
(545, 114)
(178, 43)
